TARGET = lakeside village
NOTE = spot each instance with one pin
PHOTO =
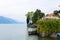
(44, 25)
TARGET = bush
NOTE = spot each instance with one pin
(48, 26)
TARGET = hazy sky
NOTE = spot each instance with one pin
(16, 9)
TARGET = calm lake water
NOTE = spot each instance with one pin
(13, 32)
(17, 32)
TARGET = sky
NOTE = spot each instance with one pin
(16, 9)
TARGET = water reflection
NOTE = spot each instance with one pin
(39, 38)
(32, 37)
(35, 37)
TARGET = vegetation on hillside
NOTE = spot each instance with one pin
(37, 15)
(48, 26)
(34, 16)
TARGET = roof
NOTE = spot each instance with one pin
(51, 15)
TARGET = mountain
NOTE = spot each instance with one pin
(5, 20)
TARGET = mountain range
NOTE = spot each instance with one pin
(5, 20)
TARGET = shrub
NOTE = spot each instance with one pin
(48, 25)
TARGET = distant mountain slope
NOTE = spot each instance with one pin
(5, 20)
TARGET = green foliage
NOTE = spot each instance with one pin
(48, 26)
(29, 16)
(57, 13)
(37, 15)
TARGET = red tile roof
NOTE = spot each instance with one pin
(51, 15)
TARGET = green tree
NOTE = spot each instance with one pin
(37, 15)
(29, 16)
(56, 12)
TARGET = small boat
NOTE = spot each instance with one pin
(58, 34)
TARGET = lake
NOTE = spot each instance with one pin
(13, 32)
(17, 32)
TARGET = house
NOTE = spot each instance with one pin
(50, 16)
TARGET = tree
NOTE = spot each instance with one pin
(56, 12)
(59, 13)
(37, 15)
(29, 16)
